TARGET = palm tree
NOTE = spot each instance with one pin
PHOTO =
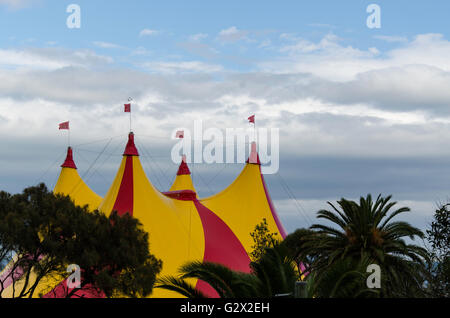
(346, 278)
(273, 274)
(226, 282)
(366, 230)
(276, 271)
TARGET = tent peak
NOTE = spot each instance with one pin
(130, 149)
(254, 157)
(183, 169)
(69, 163)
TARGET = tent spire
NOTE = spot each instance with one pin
(69, 163)
(130, 149)
(183, 169)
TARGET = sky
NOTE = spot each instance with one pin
(360, 110)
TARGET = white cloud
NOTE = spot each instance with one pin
(427, 49)
(182, 67)
(391, 38)
(322, 25)
(408, 87)
(374, 50)
(201, 49)
(329, 100)
(17, 4)
(141, 51)
(49, 58)
(288, 37)
(148, 32)
(106, 45)
(231, 35)
(265, 43)
(10, 58)
(331, 60)
(230, 31)
(198, 37)
(328, 42)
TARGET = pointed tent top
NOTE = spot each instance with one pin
(130, 149)
(182, 187)
(254, 157)
(183, 169)
(69, 163)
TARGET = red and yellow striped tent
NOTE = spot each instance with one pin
(183, 227)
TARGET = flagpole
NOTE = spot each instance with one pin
(129, 101)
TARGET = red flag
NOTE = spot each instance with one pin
(251, 119)
(64, 125)
(179, 134)
(127, 108)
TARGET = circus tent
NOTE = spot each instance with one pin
(70, 183)
(183, 227)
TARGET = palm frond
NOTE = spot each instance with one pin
(180, 286)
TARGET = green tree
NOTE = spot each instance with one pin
(298, 245)
(22, 231)
(439, 267)
(365, 230)
(47, 232)
(346, 278)
(273, 274)
(277, 271)
(226, 282)
(263, 239)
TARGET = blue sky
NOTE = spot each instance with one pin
(359, 110)
(41, 23)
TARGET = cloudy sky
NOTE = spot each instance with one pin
(359, 110)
